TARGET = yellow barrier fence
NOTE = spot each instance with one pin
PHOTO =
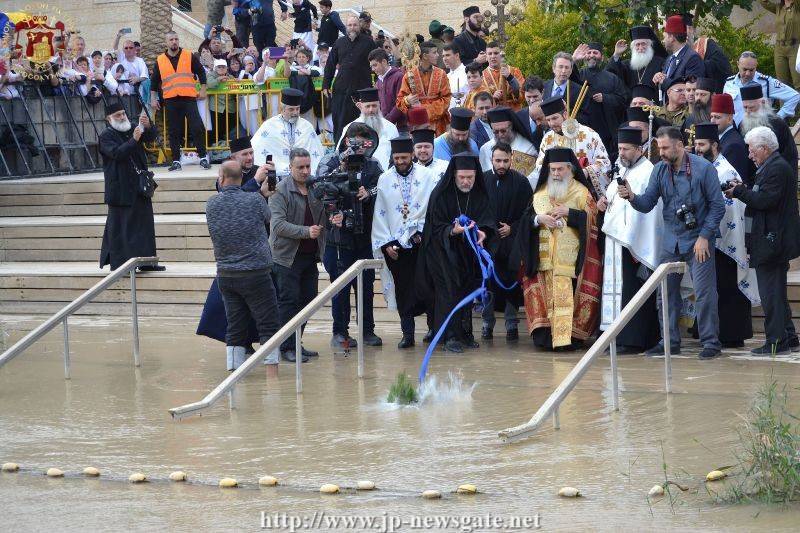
(235, 108)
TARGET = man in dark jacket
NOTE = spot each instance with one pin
(388, 80)
(349, 54)
(470, 43)
(731, 142)
(130, 230)
(330, 25)
(773, 237)
(683, 61)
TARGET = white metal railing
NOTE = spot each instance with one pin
(128, 268)
(293, 326)
(606, 340)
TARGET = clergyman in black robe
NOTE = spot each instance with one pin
(130, 229)
(350, 55)
(607, 95)
(510, 193)
(639, 70)
(766, 117)
(449, 268)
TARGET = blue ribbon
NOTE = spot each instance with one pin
(481, 294)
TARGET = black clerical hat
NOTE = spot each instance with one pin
(751, 91)
(423, 136)
(629, 135)
(239, 144)
(637, 114)
(706, 84)
(113, 107)
(291, 97)
(560, 155)
(370, 94)
(706, 130)
(402, 145)
(460, 118)
(466, 161)
(471, 10)
(596, 46)
(499, 114)
(553, 105)
(643, 90)
(641, 32)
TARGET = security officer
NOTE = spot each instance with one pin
(787, 33)
(773, 88)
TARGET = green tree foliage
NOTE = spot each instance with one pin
(552, 26)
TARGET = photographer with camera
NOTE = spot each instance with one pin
(346, 184)
(693, 207)
(773, 235)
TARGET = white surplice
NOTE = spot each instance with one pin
(277, 137)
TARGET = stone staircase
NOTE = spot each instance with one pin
(51, 230)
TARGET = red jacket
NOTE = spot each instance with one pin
(387, 93)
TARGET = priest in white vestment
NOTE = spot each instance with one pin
(398, 221)
(370, 107)
(278, 135)
(423, 152)
(633, 242)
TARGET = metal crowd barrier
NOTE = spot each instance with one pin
(45, 135)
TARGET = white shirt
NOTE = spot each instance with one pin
(136, 67)
(458, 84)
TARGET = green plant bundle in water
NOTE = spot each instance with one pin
(402, 391)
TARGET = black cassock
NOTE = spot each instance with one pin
(735, 322)
(642, 332)
(448, 269)
(353, 74)
(510, 196)
(718, 67)
(605, 116)
(786, 146)
(130, 230)
(631, 77)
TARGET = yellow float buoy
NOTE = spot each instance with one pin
(178, 475)
(329, 488)
(138, 477)
(267, 481)
(716, 475)
(656, 491)
(91, 471)
(569, 492)
(10, 467)
(467, 488)
(431, 494)
(54, 472)
(228, 483)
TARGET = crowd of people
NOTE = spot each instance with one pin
(579, 184)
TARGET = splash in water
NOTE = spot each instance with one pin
(451, 389)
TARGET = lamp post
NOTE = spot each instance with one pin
(500, 19)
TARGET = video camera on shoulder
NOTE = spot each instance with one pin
(338, 191)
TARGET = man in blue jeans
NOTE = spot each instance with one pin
(237, 226)
(693, 208)
(345, 245)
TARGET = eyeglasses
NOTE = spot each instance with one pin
(128, 47)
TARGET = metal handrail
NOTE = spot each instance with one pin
(551, 405)
(293, 326)
(129, 267)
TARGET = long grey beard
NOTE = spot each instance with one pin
(121, 125)
(456, 147)
(373, 121)
(640, 61)
(557, 190)
(753, 120)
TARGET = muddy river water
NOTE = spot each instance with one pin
(340, 430)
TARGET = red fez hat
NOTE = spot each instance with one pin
(675, 24)
(722, 103)
(418, 116)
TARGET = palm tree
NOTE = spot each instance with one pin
(155, 19)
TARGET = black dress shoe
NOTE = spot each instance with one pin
(428, 336)
(512, 335)
(709, 353)
(486, 333)
(628, 350)
(174, 166)
(471, 344)
(290, 357)
(152, 268)
(204, 163)
(658, 349)
(454, 346)
(370, 339)
(406, 342)
(770, 349)
(308, 353)
(793, 343)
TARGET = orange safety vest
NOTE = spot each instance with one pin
(178, 82)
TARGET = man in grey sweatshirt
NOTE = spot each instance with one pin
(237, 222)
